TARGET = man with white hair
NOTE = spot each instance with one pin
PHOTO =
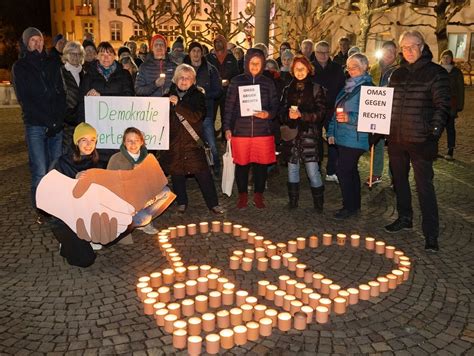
(421, 104)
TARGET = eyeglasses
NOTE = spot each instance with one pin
(320, 52)
(411, 48)
(75, 54)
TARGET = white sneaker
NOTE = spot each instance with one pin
(149, 229)
(332, 178)
(95, 246)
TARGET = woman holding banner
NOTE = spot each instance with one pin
(251, 134)
(342, 131)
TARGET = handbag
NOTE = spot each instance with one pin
(199, 141)
(288, 133)
(228, 171)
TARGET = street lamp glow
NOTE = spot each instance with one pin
(378, 54)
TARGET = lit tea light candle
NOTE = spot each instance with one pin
(175, 309)
(238, 254)
(292, 262)
(202, 284)
(187, 307)
(141, 286)
(327, 239)
(192, 229)
(220, 283)
(173, 232)
(204, 270)
(244, 233)
(169, 321)
(406, 272)
(369, 243)
(180, 324)
(159, 305)
(299, 290)
(364, 292)
(300, 320)
(300, 270)
(208, 322)
(253, 330)
(247, 312)
(144, 292)
(194, 345)
(380, 247)
(383, 284)
(227, 338)
(295, 306)
(281, 248)
(215, 299)
(227, 297)
(193, 272)
(355, 240)
(246, 264)
(155, 279)
(249, 253)
(290, 286)
(340, 239)
(308, 311)
(191, 287)
(340, 306)
(180, 337)
(258, 241)
(144, 279)
(201, 304)
(240, 335)
(148, 306)
(275, 262)
(236, 230)
(215, 270)
(282, 281)
(272, 251)
(181, 230)
(216, 226)
(317, 278)
(344, 294)
(164, 294)
(152, 295)
(389, 251)
(305, 293)
(287, 299)
(326, 302)
(223, 319)
(396, 255)
(399, 275)
(235, 316)
(322, 314)
(308, 276)
(285, 257)
(213, 344)
(278, 297)
(240, 297)
(392, 281)
(160, 316)
(334, 290)
(259, 311)
(284, 321)
(251, 300)
(300, 243)
(292, 246)
(194, 326)
(374, 288)
(251, 237)
(180, 274)
(168, 276)
(177, 264)
(406, 264)
(212, 280)
(203, 227)
(272, 314)
(262, 264)
(265, 326)
(259, 252)
(314, 300)
(313, 241)
(262, 287)
(227, 227)
(325, 283)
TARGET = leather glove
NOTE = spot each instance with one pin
(435, 133)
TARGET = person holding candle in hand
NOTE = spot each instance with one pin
(304, 108)
(342, 131)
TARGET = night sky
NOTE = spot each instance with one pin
(24, 13)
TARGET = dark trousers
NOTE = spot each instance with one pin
(331, 164)
(451, 131)
(421, 156)
(259, 177)
(206, 184)
(348, 175)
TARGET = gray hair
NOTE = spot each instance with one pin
(361, 59)
(353, 50)
(183, 68)
(413, 34)
(263, 47)
(308, 40)
(287, 54)
(72, 46)
(322, 44)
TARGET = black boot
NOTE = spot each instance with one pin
(318, 198)
(293, 194)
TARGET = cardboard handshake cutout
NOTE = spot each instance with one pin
(100, 205)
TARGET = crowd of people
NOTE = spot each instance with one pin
(309, 103)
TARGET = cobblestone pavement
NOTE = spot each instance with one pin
(49, 307)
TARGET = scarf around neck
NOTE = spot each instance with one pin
(106, 72)
(143, 154)
(353, 83)
(74, 71)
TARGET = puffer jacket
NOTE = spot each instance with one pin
(73, 96)
(184, 155)
(250, 126)
(120, 82)
(149, 71)
(346, 133)
(421, 100)
(311, 101)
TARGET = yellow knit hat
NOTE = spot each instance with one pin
(83, 129)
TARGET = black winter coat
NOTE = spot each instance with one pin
(73, 97)
(250, 126)
(311, 101)
(184, 155)
(39, 89)
(421, 100)
(227, 69)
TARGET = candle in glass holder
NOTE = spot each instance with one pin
(369, 243)
(396, 255)
(389, 251)
(193, 272)
(220, 283)
(327, 239)
(295, 306)
(160, 316)
(313, 241)
(322, 314)
(282, 281)
(299, 290)
(259, 252)
(156, 279)
(284, 321)
(272, 314)
(281, 248)
(265, 326)
(355, 240)
(314, 300)
(208, 322)
(317, 278)
(240, 296)
(406, 272)
(326, 302)
(344, 294)
(285, 257)
(287, 299)
(164, 294)
(212, 281)
(244, 232)
(392, 281)
(258, 241)
(227, 227)
(247, 264)
(300, 269)
(169, 321)
(168, 276)
(383, 281)
(340, 239)
(253, 332)
(292, 246)
(238, 254)
(204, 270)
(271, 251)
(292, 262)
(144, 279)
(235, 316)
(159, 305)
(275, 262)
(340, 306)
(251, 237)
(374, 288)
(202, 284)
(223, 319)
(194, 326)
(300, 321)
(251, 300)
(144, 291)
(192, 230)
(148, 306)
(353, 295)
(181, 230)
(249, 253)
(278, 297)
(247, 312)
(300, 243)
(174, 308)
(364, 292)
(227, 297)
(215, 299)
(308, 311)
(216, 226)
(187, 307)
(213, 344)
(240, 334)
(290, 286)
(325, 283)
(236, 230)
(152, 295)
(180, 274)
(305, 293)
(262, 264)
(194, 345)
(399, 275)
(262, 287)
(380, 247)
(308, 276)
(259, 311)
(334, 290)
(201, 303)
(173, 232)
(180, 337)
(191, 287)
(203, 227)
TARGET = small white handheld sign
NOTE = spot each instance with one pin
(250, 100)
(375, 110)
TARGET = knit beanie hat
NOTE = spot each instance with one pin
(122, 50)
(178, 44)
(88, 43)
(83, 129)
(158, 37)
(30, 32)
(57, 38)
(194, 44)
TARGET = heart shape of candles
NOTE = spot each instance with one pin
(176, 296)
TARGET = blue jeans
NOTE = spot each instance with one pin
(210, 138)
(146, 215)
(312, 170)
(379, 157)
(43, 151)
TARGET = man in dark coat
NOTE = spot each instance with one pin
(341, 57)
(421, 105)
(40, 92)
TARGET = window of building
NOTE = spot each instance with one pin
(73, 26)
(197, 6)
(71, 5)
(86, 2)
(138, 30)
(64, 28)
(134, 3)
(114, 4)
(167, 6)
(195, 30)
(116, 31)
(169, 31)
(457, 44)
(87, 27)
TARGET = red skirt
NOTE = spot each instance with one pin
(259, 150)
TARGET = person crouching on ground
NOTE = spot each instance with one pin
(185, 156)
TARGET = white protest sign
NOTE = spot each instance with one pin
(375, 110)
(111, 115)
(250, 100)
